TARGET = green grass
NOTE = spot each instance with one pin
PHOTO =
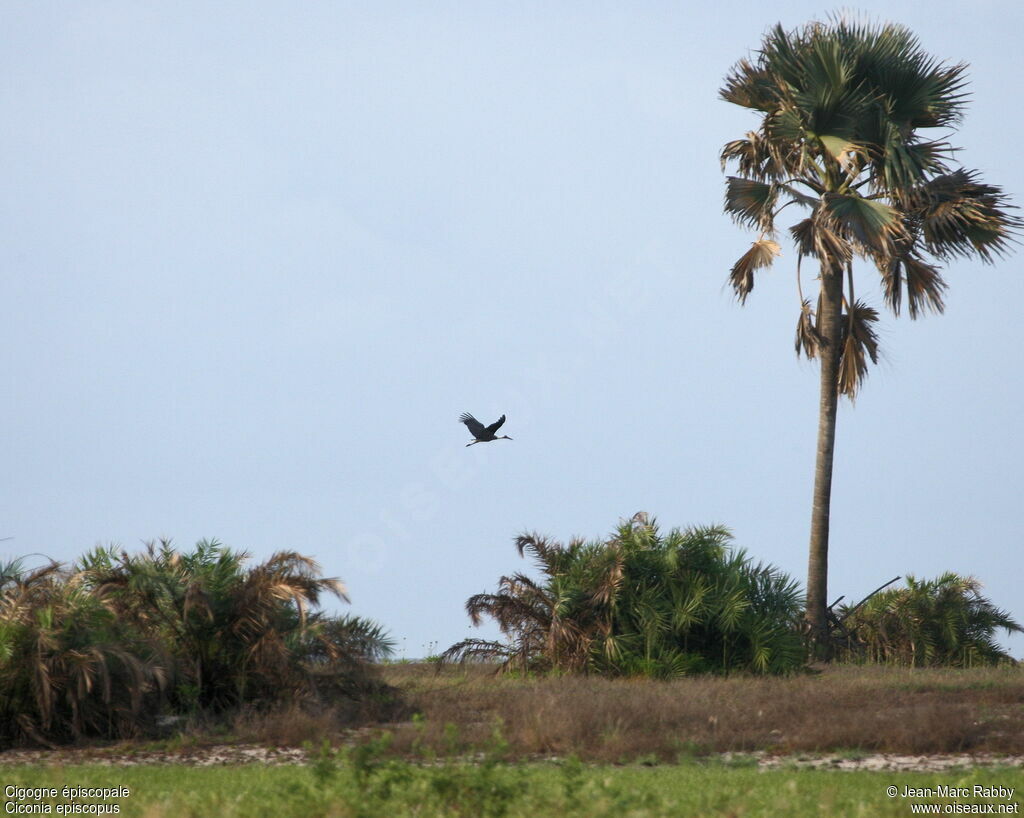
(370, 786)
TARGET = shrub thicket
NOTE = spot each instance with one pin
(642, 603)
(107, 645)
(944, 622)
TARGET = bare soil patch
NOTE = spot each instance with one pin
(234, 754)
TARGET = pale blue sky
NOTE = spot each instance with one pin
(258, 257)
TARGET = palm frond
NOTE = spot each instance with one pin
(960, 216)
(761, 254)
(808, 339)
(749, 86)
(476, 650)
(925, 286)
(351, 638)
(753, 157)
(859, 343)
(750, 202)
(868, 223)
(816, 237)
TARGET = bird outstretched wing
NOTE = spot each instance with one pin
(476, 428)
(496, 425)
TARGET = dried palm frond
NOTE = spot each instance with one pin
(962, 216)
(892, 282)
(761, 254)
(859, 342)
(753, 157)
(816, 238)
(476, 650)
(925, 286)
(808, 339)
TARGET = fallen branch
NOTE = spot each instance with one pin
(879, 588)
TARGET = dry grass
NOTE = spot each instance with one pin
(872, 709)
(286, 725)
(842, 709)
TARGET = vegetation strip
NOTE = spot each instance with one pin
(372, 789)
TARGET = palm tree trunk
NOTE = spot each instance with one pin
(830, 327)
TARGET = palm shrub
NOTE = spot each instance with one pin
(238, 634)
(336, 656)
(641, 603)
(940, 622)
(104, 647)
(68, 665)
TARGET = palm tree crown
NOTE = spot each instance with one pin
(843, 109)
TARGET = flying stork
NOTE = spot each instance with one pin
(483, 434)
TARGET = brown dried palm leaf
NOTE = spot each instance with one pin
(608, 574)
(761, 254)
(752, 156)
(892, 282)
(303, 574)
(759, 156)
(508, 611)
(532, 596)
(547, 554)
(923, 282)
(925, 286)
(522, 586)
(269, 652)
(285, 576)
(568, 644)
(808, 339)
(859, 342)
(960, 215)
(816, 238)
(476, 650)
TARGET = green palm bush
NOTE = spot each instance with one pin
(237, 634)
(940, 622)
(68, 665)
(104, 647)
(641, 603)
(349, 638)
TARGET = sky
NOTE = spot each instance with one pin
(256, 259)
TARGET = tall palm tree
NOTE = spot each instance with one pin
(847, 117)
